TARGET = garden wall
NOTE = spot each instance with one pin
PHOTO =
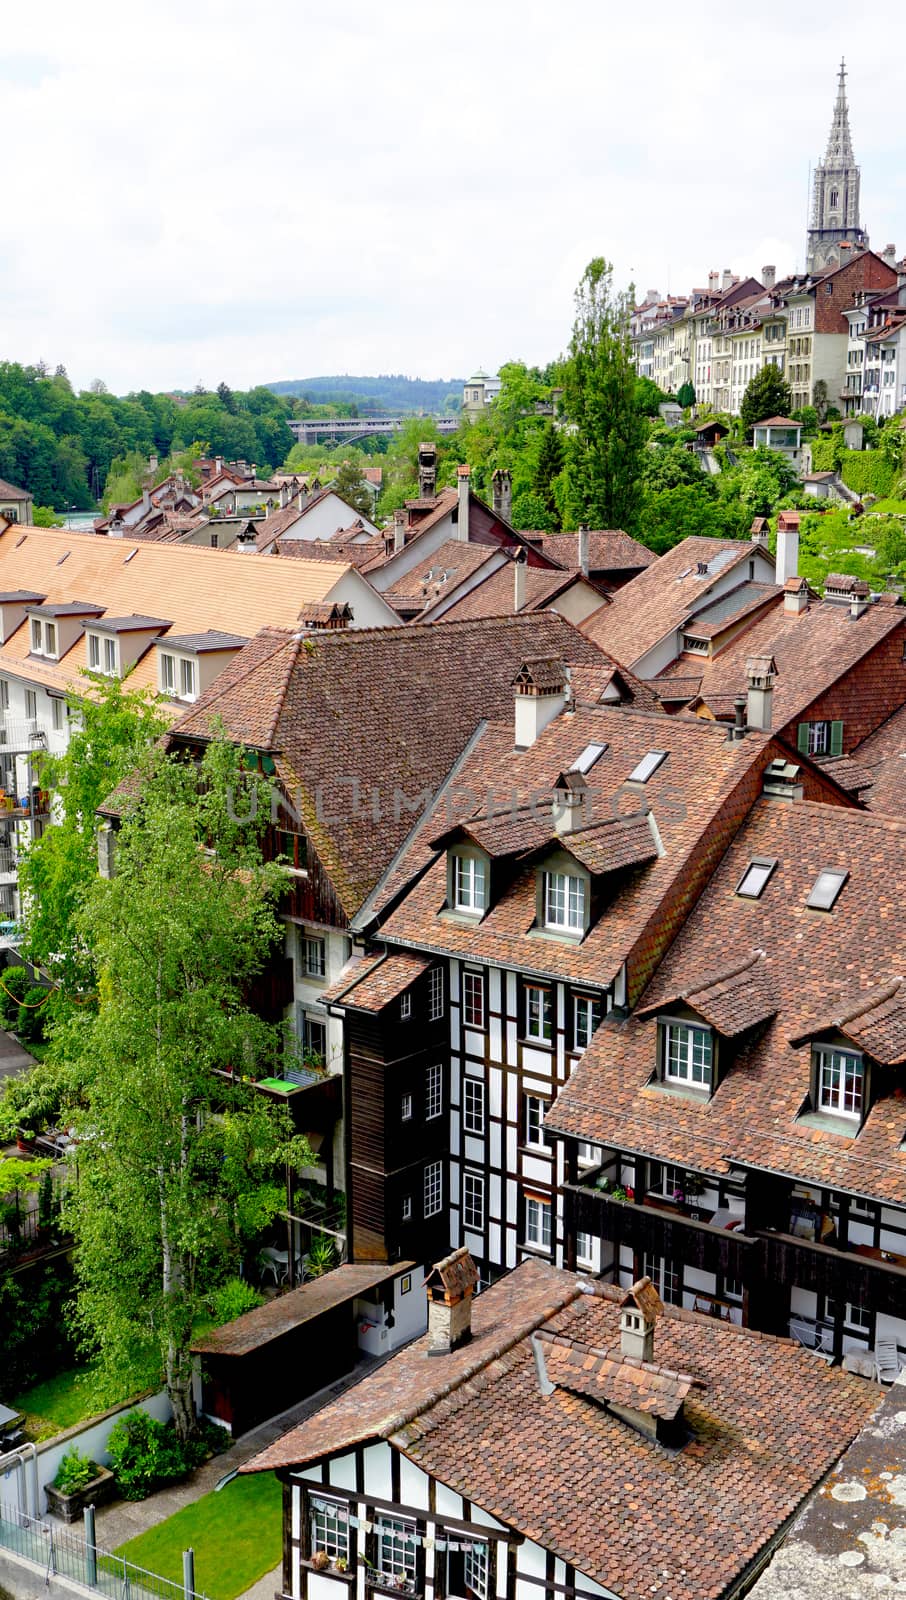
(91, 1438)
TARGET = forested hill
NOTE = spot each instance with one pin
(390, 393)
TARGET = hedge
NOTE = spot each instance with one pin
(868, 472)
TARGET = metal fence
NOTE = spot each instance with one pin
(61, 1551)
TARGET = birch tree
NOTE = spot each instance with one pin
(176, 1164)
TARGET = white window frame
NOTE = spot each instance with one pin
(436, 994)
(565, 897)
(405, 1007)
(328, 1523)
(850, 1072)
(539, 1013)
(111, 658)
(405, 1108)
(309, 1021)
(473, 1105)
(670, 1179)
(50, 640)
(473, 999)
(406, 1208)
(473, 1201)
(434, 1091)
(57, 713)
(683, 1035)
(535, 1108)
(539, 1225)
(168, 673)
(667, 1277)
(188, 678)
(585, 1246)
(31, 705)
(470, 883)
(314, 956)
(94, 652)
(584, 1006)
(433, 1188)
(819, 738)
(588, 1154)
(476, 1569)
(37, 637)
(394, 1547)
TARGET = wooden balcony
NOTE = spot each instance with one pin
(860, 1275)
(650, 1229)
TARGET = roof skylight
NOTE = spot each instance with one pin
(755, 878)
(825, 890)
(587, 759)
(648, 766)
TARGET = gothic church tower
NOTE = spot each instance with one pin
(835, 193)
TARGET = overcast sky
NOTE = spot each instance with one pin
(200, 191)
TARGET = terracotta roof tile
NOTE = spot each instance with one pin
(609, 550)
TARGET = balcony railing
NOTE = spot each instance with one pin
(659, 1229)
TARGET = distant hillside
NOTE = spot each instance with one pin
(388, 393)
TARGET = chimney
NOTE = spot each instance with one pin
(463, 486)
(639, 1311)
(284, 496)
(253, 471)
(541, 689)
(427, 471)
(502, 492)
(726, 281)
(787, 565)
(218, 464)
(760, 674)
(652, 296)
(795, 596)
(769, 276)
(568, 809)
(399, 528)
(759, 532)
(889, 255)
(583, 549)
(520, 562)
(153, 463)
(450, 1286)
(738, 730)
(146, 500)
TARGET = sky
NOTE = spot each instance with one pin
(197, 192)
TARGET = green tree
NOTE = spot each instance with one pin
(765, 478)
(670, 464)
(681, 512)
(549, 465)
(350, 485)
(226, 397)
(178, 1172)
(685, 395)
(767, 395)
(111, 727)
(820, 400)
(605, 451)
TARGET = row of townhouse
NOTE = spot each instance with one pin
(503, 856)
(839, 328)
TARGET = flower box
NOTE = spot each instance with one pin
(69, 1507)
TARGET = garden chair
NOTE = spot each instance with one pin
(887, 1361)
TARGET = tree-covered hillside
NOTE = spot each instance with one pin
(389, 393)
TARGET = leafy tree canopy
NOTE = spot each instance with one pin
(767, 395)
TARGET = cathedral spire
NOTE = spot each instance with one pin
(839, 143)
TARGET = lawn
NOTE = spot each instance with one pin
(236, 1535)
(70, 1397)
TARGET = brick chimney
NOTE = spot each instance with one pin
(464, 489)
(760, 674)
(639, 1311)
(787, 565)
(502, 492)
(520, 562)
(583, 549)
(450, 1286)
(541, 689)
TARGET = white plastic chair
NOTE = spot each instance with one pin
(887, 1361)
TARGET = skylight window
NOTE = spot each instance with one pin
(755, 878)
(648, 766)
(825, 890)
(587, 759)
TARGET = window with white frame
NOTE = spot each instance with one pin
(473, 999)
(405, 1007)
(406, 1208)
(473, 1201)
(314, 956)
(475, 1570)
(58, 713)
(37, 637)
(329, 1527)
(470, 883)
(841, 1079)
(473, 1105)
(667, 1277)
(589, 1155)
(406, 1108)
(4, 694)
(434, 1090)
(564, 902)
(538, 1230)
(395, 1548)
(435, 994)
(819, 738)
(732, 1289)
(94, 652)
(586, 1016)
(314, 1036)
(688, 1054)
(31, 704)
(434, 1188)
(666, 1180)
(50, 638)
(539, 1013)
(856, 1317)
(533, 1112)
(167, 672)
(110, 665)
(585, 1250)
(188, 679)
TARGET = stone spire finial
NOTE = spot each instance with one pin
(839, 142)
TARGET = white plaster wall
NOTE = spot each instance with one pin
(91, 1438)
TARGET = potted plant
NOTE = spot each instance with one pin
(79, 1482)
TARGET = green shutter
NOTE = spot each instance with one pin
(802, 738)
(836, 739)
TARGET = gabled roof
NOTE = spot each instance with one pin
(495, 595)
(614, 1379)
(816, 969)
(357, 714)
(563, 1470)
(609, 550)
(734, 997)
(9, 491)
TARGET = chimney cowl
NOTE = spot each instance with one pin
(640, 1308)
(450, 1285)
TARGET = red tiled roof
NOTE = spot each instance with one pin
(495, 596)
(609, 550)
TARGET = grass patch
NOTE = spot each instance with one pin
(896, 507)
(236, 1535)
(73, 1396)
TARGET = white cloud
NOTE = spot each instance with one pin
(204, 191)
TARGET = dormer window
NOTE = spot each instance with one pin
(688, 1054)
(564, 902)
(102, 655)
(43, 638)
(188, 680)
(840, 1082)
(470, 883)
(168, 673)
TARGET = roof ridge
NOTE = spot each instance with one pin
(217, 694)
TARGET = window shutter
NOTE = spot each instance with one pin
(836, 748)
(802, 738)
